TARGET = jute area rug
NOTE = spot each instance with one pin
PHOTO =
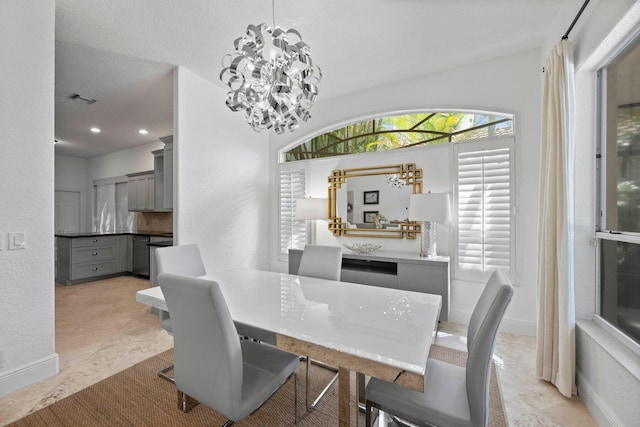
(138, 397)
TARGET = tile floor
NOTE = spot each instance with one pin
(101, 330)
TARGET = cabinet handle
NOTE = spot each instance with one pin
(95, 253)
(95, 268)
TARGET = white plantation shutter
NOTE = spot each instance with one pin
(485, 229)
(292, 231)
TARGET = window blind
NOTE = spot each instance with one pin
(292, 231)
(484, 212)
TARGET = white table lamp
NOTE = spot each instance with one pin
(310, 209)
(429, 208)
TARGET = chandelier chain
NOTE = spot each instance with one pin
(273, 13)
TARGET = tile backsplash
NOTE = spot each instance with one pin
(155, 221)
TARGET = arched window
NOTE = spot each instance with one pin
(402, 131)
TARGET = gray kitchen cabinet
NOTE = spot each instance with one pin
(141, 191)
(129, 254)
(122, 253)
(83, 259)
(167, 160)
(393, 270)
(163, 173)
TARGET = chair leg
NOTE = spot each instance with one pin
(368, 414)
(186, 402)
(163, 374)
(295, 398)
(323, 393)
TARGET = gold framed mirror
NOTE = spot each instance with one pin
(374, 201)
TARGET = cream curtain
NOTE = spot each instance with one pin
(555, 361)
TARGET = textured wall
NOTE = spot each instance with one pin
(71, 172)
(222, 179)
(26, 194)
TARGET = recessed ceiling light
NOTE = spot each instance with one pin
(95, 130)
(143, 131)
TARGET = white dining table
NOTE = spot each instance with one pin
(382, 332)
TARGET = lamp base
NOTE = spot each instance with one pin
(428, 239)
(311, 232)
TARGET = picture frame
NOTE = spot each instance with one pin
(369, 216)
(371, 197)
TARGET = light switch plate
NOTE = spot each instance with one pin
(16, 241)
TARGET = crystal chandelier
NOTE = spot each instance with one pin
(271, 77)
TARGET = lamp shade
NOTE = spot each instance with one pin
(311, 208)
(429, 207)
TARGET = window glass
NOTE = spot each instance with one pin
(620, 286)
(112, 207)
(618, 207)
(402, 131)
(621, 192)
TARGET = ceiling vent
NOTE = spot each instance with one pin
(83, 99)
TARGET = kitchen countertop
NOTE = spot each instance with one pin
(96, 234)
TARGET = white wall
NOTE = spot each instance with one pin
(26, 194)
(136, 159)
(222, 178)
(509, 84)
(70, 172)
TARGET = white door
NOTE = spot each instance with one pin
(67, 212)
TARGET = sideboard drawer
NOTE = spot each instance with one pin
(377, 279)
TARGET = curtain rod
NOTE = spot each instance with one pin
(566, 35)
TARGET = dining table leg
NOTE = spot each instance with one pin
(344, 398)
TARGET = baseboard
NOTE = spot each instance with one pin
(15, 379)
(512, 326)
(598, 409)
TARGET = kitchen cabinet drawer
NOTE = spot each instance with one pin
(83, 259)
(92, 241)
(92, 269)
(82, 255)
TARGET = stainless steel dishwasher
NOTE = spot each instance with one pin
(141, 255)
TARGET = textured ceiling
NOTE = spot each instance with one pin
(121, 51)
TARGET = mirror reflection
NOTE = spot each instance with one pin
(373, 202)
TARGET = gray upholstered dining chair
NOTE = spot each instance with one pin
(323, 262)
(181, 259)
(212, 365)
(453, 396)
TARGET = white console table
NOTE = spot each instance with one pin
(393, 270)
